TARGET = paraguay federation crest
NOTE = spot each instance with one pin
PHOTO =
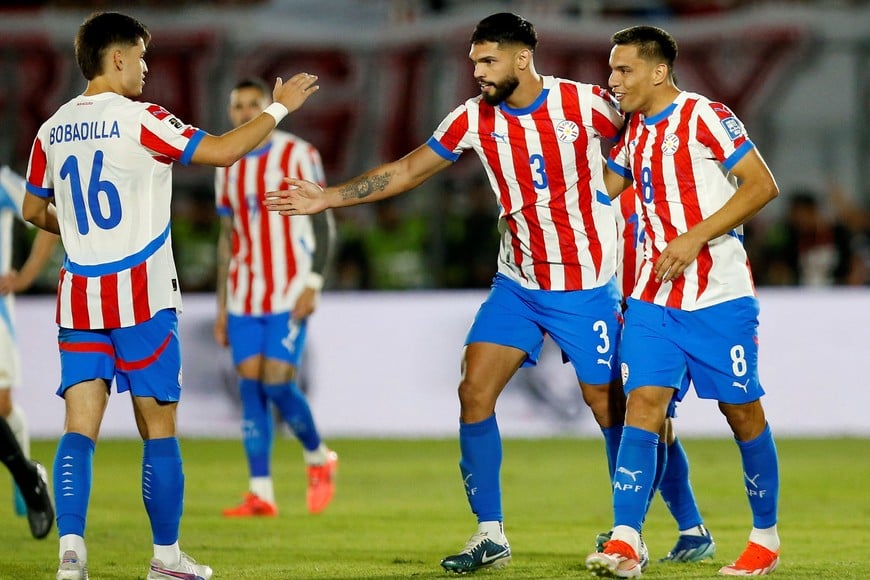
(567, 131)
(670, 144)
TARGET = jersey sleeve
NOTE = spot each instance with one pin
(12, 189)
(606, 119)
(722, 133)
(39, 178)
(450, 138)
(166, 136)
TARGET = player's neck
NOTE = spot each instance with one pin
(528, 90)
(99, 85)
(661, 101)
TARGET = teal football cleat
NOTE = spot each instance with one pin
(480, 552)
(692, 548)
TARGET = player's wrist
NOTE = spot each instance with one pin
(314, 281)
(277, 111)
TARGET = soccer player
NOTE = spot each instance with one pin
(106, 162)
(12, 281)
(270, 273)
(693, 312)
(694, 543)
(539, 139)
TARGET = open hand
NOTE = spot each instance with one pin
(300, 197)
(295, 91)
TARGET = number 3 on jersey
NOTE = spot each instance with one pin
(539, 171)
(105, 209)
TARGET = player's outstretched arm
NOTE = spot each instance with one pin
(387, 180)
(226, 149)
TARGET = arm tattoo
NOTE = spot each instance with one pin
(365, 186)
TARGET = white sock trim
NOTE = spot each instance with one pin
(767, 537)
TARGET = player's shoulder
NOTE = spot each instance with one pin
(584, 90)
(704, 104)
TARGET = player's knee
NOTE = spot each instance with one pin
(277, 372)
(747, 421)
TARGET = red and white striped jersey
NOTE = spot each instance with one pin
(271, 253)
(629, 253)
(679, 160)
(107, 161)
(544, 164)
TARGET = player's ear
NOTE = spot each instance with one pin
(524, 57)
(117, 58)
(660, 73)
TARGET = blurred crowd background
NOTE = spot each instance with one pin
(797, 73)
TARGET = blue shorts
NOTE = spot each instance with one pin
(275, 336)
(585, 324)
(144, 359)
(715, 347)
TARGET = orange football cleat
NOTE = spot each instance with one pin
(321, 483)
(756, 560)
(252, 506)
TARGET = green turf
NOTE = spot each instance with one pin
(400, 507)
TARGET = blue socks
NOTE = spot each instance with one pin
(257, 427)
(295, 410)
(612, 437)
(677, 491)
(761, 476)
(163, 488)
(633, 480)
(73, 475)
(480, 465)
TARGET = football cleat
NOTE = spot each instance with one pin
(480, 552)
(756, 560)
(692, 548)
(618, 560)
(186, 569)
(321, 483)
(604, 537)
(18, 502)
(252, 506)
(71, 568)
(41, 516)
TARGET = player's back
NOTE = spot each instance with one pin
(112, 194)
(107, 162)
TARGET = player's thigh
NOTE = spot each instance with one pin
(9, 363)
(85, 355)
(506, 318)
(721, 345)
(587, 326)
(284, 338)
(148, 357)
(649, 352)
(247, 338)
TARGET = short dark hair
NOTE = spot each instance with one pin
(100, 31)
(505, 28)
(254, 83)
(652, 43)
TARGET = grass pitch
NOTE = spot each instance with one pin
(400, 507)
